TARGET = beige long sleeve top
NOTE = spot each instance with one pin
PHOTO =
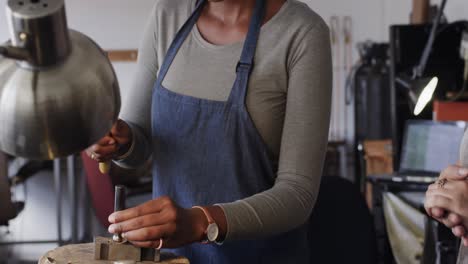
(289, 100)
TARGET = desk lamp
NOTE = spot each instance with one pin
(421, 89)
(58, 91)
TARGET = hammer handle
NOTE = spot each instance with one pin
(104, 167)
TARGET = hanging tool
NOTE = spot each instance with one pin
(348, 62)
(335, 42)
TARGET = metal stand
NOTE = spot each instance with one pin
(73, 195)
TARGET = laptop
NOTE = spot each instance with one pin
(428, 148)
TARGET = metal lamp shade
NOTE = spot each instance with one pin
(420, 91)
(63, 95)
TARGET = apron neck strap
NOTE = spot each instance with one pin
(245, 64)
(178, 41)
(250, 44)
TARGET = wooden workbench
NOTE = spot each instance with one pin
(84, 254)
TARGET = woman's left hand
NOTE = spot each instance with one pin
(146, 224)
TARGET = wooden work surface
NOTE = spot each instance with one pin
(84, 254)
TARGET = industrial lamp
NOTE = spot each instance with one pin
(58, 91)
(421, 89)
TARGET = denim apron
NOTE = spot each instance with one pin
(208, 152)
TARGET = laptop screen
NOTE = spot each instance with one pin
(430, 146)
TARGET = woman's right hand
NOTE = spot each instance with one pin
(114, 144)
(450, 219)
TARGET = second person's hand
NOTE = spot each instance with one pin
(116, 143)
(451, 220)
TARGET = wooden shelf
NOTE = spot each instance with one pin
(122, 55)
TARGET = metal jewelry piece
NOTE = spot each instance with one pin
(441, 183)
(161, 241)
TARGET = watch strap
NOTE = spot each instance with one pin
(210, 221)
(207, 214)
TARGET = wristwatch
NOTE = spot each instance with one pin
(212, 231)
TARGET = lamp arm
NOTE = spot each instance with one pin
(419, 70)
(14, 53)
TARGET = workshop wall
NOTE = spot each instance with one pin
(117, 24)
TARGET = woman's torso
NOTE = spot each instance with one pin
(207, 71)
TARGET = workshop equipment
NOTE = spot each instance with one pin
(84, 254)
(420, 88)
(406, 45)
(368, 86)
(347, 67)
(119, 205)
(58, 91)
(336, 47)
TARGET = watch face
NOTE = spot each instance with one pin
(212, 232)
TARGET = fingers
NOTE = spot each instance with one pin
(121, 132)
(437, 212)
(147, 244)
(455, 173)
(139, 222)
(458, 231)
(151, 207)
(435, 199)
(151, 233)
(103, 150)
(465, 241)
(104, 153)
(452, 220)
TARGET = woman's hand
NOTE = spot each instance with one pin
(116, 143)
(451, 196)
(146, 224)
(451, 173)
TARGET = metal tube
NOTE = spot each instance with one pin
(58, 194)
(41, 27)
(29, 242)
(73, 198)
(119, 200)
(119, 205)
(14, 53)
(419, 70)
(86, 218)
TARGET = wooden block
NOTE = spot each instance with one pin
(420, 14)
(122, 55)
(369, 196)
(378, 156)
(84, 254)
